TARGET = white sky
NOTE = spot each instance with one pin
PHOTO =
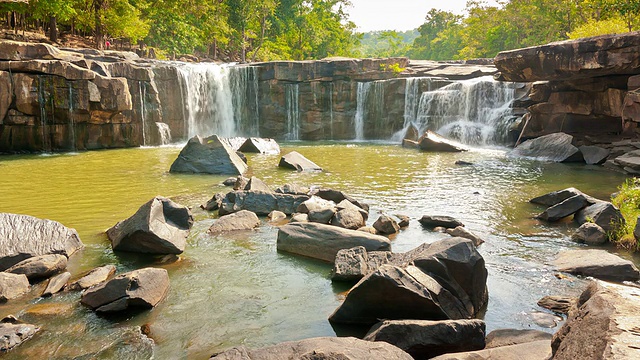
(398, 15)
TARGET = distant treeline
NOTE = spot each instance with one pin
(250, 30)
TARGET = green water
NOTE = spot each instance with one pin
(237, 289)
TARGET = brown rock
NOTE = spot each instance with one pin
(507, 337)
(12, 286)
(276, 216)
(558, 304)
(597, 263)
(213, 203)
(460, 231)
(56, 284)
(255, 184)
(94, 277)
(14, 333)
(434, 221)
(535, 350)
(386, 225)
(42, 266)
(348, 218)
(241, 220)
(296, 161)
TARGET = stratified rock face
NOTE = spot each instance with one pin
(323, 242)
(143, 288)
(573, 59)
(261, 203)
(327, 348)
(158, 227)
(209, 155)
(602, 325)
(296, 161)
(23, 236)
(15, 333)
(555, 147)
(597, 263)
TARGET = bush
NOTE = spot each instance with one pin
(628, 201)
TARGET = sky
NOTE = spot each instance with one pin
(401, 15)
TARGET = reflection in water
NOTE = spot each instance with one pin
(238, 290)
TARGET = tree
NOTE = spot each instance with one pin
(52, 10)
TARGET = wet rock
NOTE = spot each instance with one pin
(543, 319)
(601, 213)
(403, 220)
(124, 344)
(591, 234)
(566, 208)
(412, 133)
(557, 304)
(463, 163)
(260, 145)
(293, 189)
(261, 203)
(594, 155)
(535, 350)
(424, 339)
(507, 337)
(602, 325)
(460, 231)
(386, 225)
(160, 226)
(327, 348)
(556, 147)
(432, 222)
(348, 218)
(323, 242)
(38, 267)
(56, 284)
(431, 141)
(299, 218)
(597, 263)
(353, 264)
(241, 183)
(23, 236)
(276, 216)
(143, 288)
(556, 197)
(94, 277)
(208, 155)
(338, 197)
(322, 216)
(14, 333)
(229, 181)
(12, 286)
(296, 161)
(44, 310)
(213, 203)
(255, 184)
(241, 220)
(410, 144)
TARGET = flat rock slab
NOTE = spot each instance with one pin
(209, 155)
(12, 286)
(424, 339)
(260, 202)
(433, 221)
(630, 160)
(241, 220)
(536, 350)
(320, 241)
(431, 141)
(94, 277)
(296, 161)
(555, 197)
(41, 266)
(507, 337)
(598, 264)
(557, 304)
(327, 348)
(556, 147)
(56, 284)
(260, 145)
(143, 288)
(12, 335)
(23, 236)
(566, 208)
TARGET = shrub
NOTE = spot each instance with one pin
(628, 201)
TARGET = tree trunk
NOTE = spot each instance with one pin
(53, 29)
(14, 22)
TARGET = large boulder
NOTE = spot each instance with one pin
(209, 155)
(602, 213)
(431, 141)
(555, 197)
(597, 263)
(23, 236)
(590, 234)
(424, 339)
(566, 208)
(94, 277)
(260, 202)
(556, 147)
(602, 325)
(296, 161)
(353, 264)
(143, 288)
(260, 145)
(14, 333)
(12, 286)
(42, 266)
(594, 155)
(535, 350)
(433, 221)
(323, 242)
(158, 227)
(349, 218)
(241, 220)
(326, 348)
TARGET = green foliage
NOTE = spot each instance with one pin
(386, 43)
(628, 201)
(613, 25)
(395, 68)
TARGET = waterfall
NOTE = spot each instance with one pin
(220, 99)
(363, 91)
(143, 116)
(474, 112)
(43, 114)
(370, 104)
(331, 109)
(72, 125)
(165, 133)
(292, 95)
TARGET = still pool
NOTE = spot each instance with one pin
(236, 289)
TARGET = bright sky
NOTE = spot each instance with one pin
(398, 15)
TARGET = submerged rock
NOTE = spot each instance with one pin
(447, 222)
(241, 220)
(13, 286)
(94, 277)
(160, 226)
(597, 263)
(507, 337)
(40, 266)
(260, 145)
(23, 236)
(296, 161)
(143, 288)
(14, 333)
(209, 155)
(431, 141)
(556, 147)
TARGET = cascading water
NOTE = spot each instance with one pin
(363, 90)
(72, 125)
(370, 104)
(143, 112)
(292, 96)
(165, 133)
(331, 109)
(43, 114)
(474, 112)
(220, 99)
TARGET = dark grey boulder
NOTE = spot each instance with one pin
(630, 161)
(260, 145)
(261, 203)
(599, 264)
(535, 350)
(556, 147)
(56, 284)
(351, 265)
(594, 155)
(460, 231)
(296, 161)
(326, 348)
(241, 220)
(23, 236)
(348, 218)
(386, 225)
(323, 242)
(424, 339)
(94, 277)
(431, 141)
(322, 216)
(507, 337)
(14, 333)
(38, 267)
(591, 234)
(603, 213)
(403, 220)
(556, 197)
(209, 155)
(143, 288)
(213, 203)
(13, 286)
(229, 181)
(160, 226)
(447, 222)
(566, 208)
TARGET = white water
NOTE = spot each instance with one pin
(72, 125)
(165, 133)
(292, 96)
(143, 114)
(220, 99)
